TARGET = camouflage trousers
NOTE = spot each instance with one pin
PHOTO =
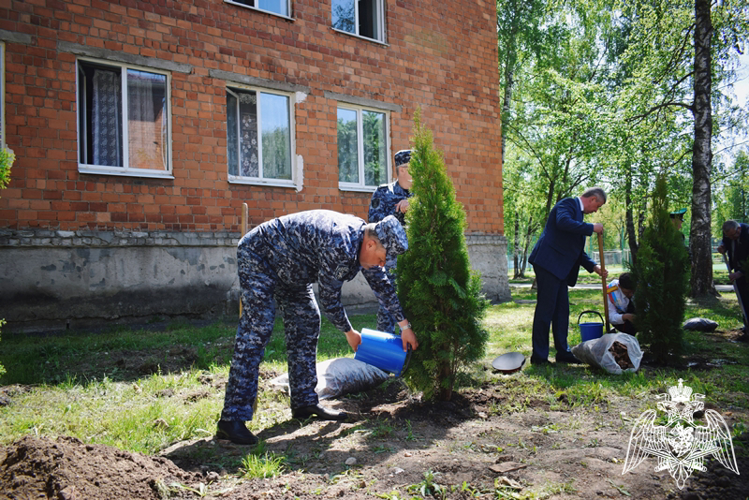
(261, 291)
(386, 321)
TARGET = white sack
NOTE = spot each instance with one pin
(340, 376)
(596, 352)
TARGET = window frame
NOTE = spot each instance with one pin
(262, 181)
(360, 186)
(258, 9)
(380, 7)
(124, 170)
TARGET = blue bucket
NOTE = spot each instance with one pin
(590, 331)
(383, 350)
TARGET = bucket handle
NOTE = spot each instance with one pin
(594, 312)
(407, 360)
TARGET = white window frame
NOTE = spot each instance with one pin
(380, 36)
(288, 8)
(261, 181)
(124, 170)
(360, 186)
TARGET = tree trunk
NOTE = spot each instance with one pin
(699, 235)
(528, 234)
(516, 246)
(631, 234)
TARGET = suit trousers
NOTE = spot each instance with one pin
(743, 287)
(552, 309)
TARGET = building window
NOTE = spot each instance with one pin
(123, 120)
(363, 18)
(280, 7)
(259, 136)
(363, 157)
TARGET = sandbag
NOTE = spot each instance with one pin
(614, 352)
(700, 325)
(340, 376)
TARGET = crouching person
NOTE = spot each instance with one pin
(278, 262)
(620, 304)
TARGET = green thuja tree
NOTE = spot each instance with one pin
(662, 275)
(438, 290)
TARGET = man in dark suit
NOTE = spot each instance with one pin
(736, 244)
(556, 260)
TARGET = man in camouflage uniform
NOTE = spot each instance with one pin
(278, 263)
(392, 199)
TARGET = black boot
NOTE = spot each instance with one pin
(567, 357)
(235, 431)
(318, 411)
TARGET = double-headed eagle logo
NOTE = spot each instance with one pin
(680, 446)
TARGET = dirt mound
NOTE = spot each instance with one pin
(67, 469)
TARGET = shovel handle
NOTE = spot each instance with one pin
(245, 213)
(603, 281)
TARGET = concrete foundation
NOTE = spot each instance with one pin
(56, 280)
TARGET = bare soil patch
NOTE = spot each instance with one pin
(480, 441)
(67, 469)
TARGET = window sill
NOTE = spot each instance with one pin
(358, 189)
(118, 171)
(260, 10)
(233, 179)
(379, 42)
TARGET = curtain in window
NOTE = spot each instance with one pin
(344, 15)
(248, 158)
(146, 96)
(106, 121)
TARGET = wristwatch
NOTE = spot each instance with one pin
(407, 326)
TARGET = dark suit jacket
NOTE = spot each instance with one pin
(559, 250)
(737, 258)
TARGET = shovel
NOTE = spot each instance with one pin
(603, 281)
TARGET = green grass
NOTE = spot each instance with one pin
(262, 464)
(142, 390)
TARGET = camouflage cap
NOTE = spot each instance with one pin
(392, 236)
(402, 157)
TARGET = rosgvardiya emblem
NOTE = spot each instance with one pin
(680, 446)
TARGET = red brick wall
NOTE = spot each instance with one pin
(439, 55)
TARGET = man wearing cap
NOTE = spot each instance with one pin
(677, 219)
(392, 199)
(278, 262)
(736, 244)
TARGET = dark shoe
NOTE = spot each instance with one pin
(568, 357)
(318, 411)
(235, 431)
(539, 361)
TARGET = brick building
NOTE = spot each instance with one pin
(141, 127)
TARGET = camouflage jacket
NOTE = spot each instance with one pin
(321, 246)
(384, 200)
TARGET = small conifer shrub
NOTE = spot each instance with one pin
(662, 275)
(436, 286)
